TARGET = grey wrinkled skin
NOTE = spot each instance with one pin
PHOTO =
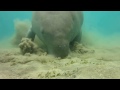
(58, 30)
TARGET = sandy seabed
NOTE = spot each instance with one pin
(83, 63)
(97, 58)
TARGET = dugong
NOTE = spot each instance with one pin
(58, 30)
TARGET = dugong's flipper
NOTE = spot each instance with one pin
(30, 34)
(76, 39)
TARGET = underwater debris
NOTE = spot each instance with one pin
(27, 46)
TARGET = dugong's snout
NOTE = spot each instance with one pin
(61, 51)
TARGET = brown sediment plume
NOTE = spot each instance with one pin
(21, 27)
(27, 46)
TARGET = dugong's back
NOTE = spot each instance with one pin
(55, 14)
(56, 20)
